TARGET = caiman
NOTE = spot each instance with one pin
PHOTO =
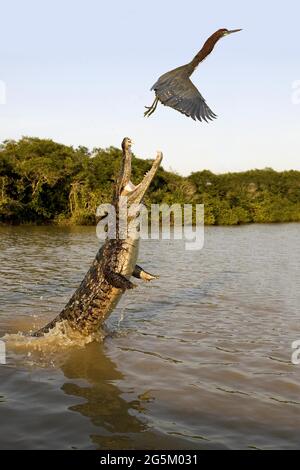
(115, 263)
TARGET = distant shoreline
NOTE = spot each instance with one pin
(71, 225)
(46, 183)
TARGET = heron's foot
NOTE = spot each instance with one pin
(151, 109)
(146, 113)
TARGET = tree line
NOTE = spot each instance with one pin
(42, 182)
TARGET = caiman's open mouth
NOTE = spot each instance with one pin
(129, 188)
(134, 193)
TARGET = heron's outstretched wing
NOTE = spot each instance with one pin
(182, 95)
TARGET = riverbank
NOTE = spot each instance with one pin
(43, 182)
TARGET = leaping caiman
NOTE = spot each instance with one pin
(115, 263)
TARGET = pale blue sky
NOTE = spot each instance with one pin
(80, 72)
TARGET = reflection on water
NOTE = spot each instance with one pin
(102, 399)
(198, 359)
(119, 419)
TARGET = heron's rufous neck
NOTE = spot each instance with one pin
(206, 49)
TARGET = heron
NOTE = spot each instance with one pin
(175, 89)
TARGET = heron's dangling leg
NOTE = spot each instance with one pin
(152, 108)
(139, 273)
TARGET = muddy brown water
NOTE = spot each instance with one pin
(199, 359)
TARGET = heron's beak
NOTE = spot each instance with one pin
(234, 31)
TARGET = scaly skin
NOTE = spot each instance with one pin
(114, 264)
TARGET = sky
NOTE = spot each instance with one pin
(80, 73)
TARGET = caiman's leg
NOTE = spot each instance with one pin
(139, 273)
(118, 280)
(152, 108)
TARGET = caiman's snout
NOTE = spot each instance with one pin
(125, 175)
(126, 143)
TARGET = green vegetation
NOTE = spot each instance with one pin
(45, 182)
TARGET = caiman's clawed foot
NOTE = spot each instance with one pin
(139, 273)
(151, 109)
(118, 280)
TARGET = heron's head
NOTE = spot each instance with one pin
(225, 32)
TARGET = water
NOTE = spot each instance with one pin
(199, 359)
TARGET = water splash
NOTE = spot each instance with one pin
(47, 350)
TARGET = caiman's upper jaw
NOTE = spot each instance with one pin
(124, 178)
(135, 194)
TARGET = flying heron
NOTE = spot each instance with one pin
(175, 89)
